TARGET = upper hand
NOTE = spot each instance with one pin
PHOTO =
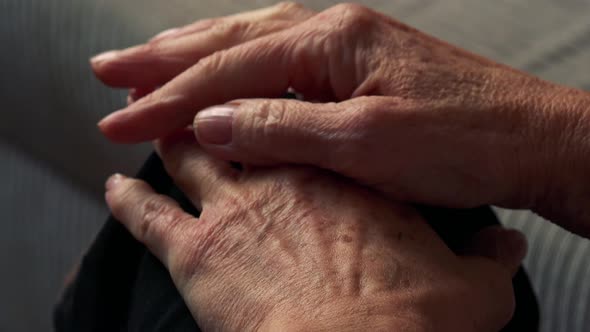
(297, 249)
(412, 116)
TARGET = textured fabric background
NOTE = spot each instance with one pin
(53, 161)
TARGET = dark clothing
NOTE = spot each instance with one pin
(122, 287)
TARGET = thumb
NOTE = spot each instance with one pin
(270, 131)
(508, 247)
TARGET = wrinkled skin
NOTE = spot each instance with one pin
(303, 249)
(299, 249)
(404, 113)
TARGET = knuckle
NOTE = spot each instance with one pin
(209, 65)
(157, 218)
(352, 15)
(149, 50)
(344, 25)
(266, 119)
(367, 116)
(288, 7)
(274, 117)
(231, 29)
(210, 244)
(358, 132)
(350, 8)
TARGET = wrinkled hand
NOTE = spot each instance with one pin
(414, 117)
(301, 249)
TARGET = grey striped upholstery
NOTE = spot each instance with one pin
(559, 265)
(53, 161)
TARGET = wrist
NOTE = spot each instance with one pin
(560, 153)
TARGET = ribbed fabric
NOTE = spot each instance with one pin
(53, 161)
(46, 223)
(559, 265)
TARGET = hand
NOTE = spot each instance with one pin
(301, 249)
(415, 118)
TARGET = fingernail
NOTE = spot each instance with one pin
(114, 181)
(213, 125)
(165, 34)
(106, 56)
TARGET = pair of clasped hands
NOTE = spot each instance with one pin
(315, 231)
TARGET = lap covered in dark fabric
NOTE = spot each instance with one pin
(122, 287)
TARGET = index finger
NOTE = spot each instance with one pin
(155, 220)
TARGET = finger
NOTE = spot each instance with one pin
(137, 93)
(265, 67)
(156, 62)
(507, 247)
(183, 31)
(202, 178)
(153, 219)
(282, 11)
(273, 130)
(211, 81)
(335, 136)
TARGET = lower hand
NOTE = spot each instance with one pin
(302, 249)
